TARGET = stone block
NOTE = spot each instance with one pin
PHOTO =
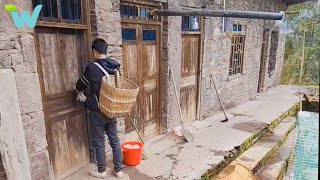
(19, 69)
(29, 92)
(35, 132)
(5, 60)
(28, 50)
(16, 60)
(5, 45)
(40, 166)
(12, 140)
(13, 52)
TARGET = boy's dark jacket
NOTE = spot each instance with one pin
(92, 79)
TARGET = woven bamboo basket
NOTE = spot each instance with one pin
(117, 96)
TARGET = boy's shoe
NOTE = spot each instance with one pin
(118, 174)
(97, 174)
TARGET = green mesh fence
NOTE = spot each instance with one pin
(306, 148)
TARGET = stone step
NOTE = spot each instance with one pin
(249, 142)
(260, 153)
(277, 165)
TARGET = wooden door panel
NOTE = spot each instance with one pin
(149, 108)
(71, 68)
(77, 140)
(189, 72)
(189, 103)
(60, 67)
(50, 63)
(190, 54)
(149, 60)
(130, 61)
(60, 154)
(150, 73)
(188, 81)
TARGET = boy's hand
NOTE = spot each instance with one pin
(81, 97)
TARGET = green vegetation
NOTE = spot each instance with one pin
(303, 31)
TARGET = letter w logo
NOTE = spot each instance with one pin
(25, 18)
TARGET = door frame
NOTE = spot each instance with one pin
(86, 28)
(139, 24)
(199, 64)
(263, 60)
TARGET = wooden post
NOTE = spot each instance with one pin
(219, 13)
(302, 58)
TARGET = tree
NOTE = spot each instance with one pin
(308, 22)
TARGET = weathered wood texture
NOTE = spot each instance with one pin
(189, 72)
(13, 148)
(60, 65)
(141, 64)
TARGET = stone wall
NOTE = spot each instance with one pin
(216, 54)
(237, 89)
(17, 52)
(106, 24)
(172, 45)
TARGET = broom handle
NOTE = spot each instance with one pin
(214, 84)
(176, 92)
(135, 128)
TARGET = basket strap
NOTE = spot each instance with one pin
(95, 96)
(104, 71)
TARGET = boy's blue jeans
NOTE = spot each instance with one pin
(99, 125)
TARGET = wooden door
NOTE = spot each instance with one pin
(189, 75)
(60, 66)
(141, 46)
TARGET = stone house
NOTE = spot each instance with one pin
(39, 68)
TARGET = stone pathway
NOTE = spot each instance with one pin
(175, 159)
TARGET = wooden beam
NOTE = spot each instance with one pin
(219, 13)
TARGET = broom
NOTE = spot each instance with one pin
(224, 111)
(146, 152)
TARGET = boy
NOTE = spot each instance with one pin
(100, 123)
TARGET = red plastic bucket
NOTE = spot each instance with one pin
(132, 157)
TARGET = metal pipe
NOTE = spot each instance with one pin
(219, 13)
(224, 9)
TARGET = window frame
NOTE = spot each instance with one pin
(65, 23)
(233, 72)
(138, 6)
(189, 30)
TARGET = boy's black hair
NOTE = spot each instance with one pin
(100, 46)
